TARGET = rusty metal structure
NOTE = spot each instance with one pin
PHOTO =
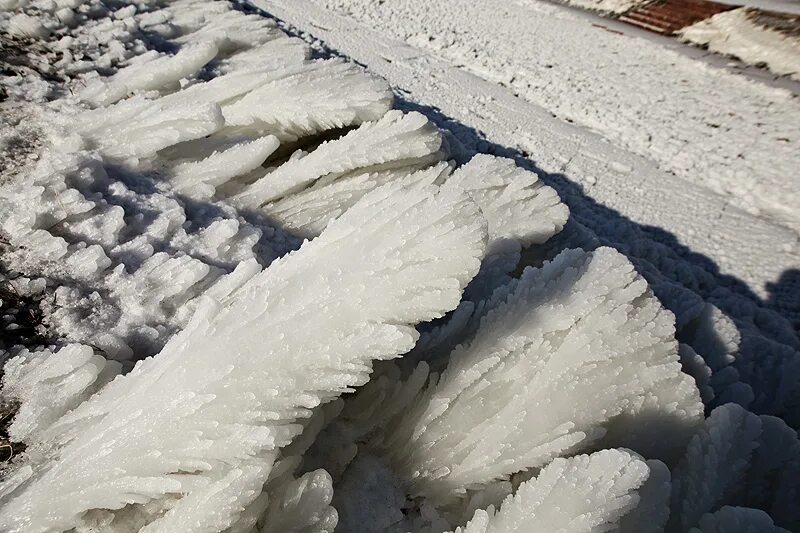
(668, 16)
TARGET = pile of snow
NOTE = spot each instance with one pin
(779, 6)
(614, 7)
(237, 237)
(736, 33)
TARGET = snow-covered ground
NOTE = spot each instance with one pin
(643, 109)
(737, 138)
(229, 232)
(737, 34)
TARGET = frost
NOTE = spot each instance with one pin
(738, 458)
(145, 135)
(516, 203)
(586, 493)
(394, 141)
(302, 506)
(520, 209)
(276, 54)
(222, 166)
(324, 95)
(229, 29)
(213, 443)
(157, 73)
(307, 212)
(652, 511)
(571, 355)
(161, 232)
(48, 384)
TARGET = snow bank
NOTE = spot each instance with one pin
(616, 7)
(735, 33)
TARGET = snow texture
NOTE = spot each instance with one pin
(546, 375)
(723, 135)
(48, 385)
(735, 33)
(174, 158)
(585, 493)
(236, 416)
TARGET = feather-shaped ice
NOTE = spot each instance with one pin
(224, 165)
(737, 458)
(514, 201)
(324, 95)
(717, 459)
(209, 412)
(394, 141)
(147, 134)
(306, 213)
(230, 30)
(652, 511)
(158, 73)
(48, 384)
(576, 354)
(521, 211)
(302, 505)
(582, 494)
(274, 55)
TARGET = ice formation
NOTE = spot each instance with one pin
(199, 347)
(48, 385)
(547, 366)
(216, 428)
(585, 493)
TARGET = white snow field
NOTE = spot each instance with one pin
(283, 294)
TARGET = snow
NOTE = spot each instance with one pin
(616, 7)
(731, 142)
(512, 383)
(191, 395)
(203, 358)
(735, 33)
(781, 6)
(564, 496)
